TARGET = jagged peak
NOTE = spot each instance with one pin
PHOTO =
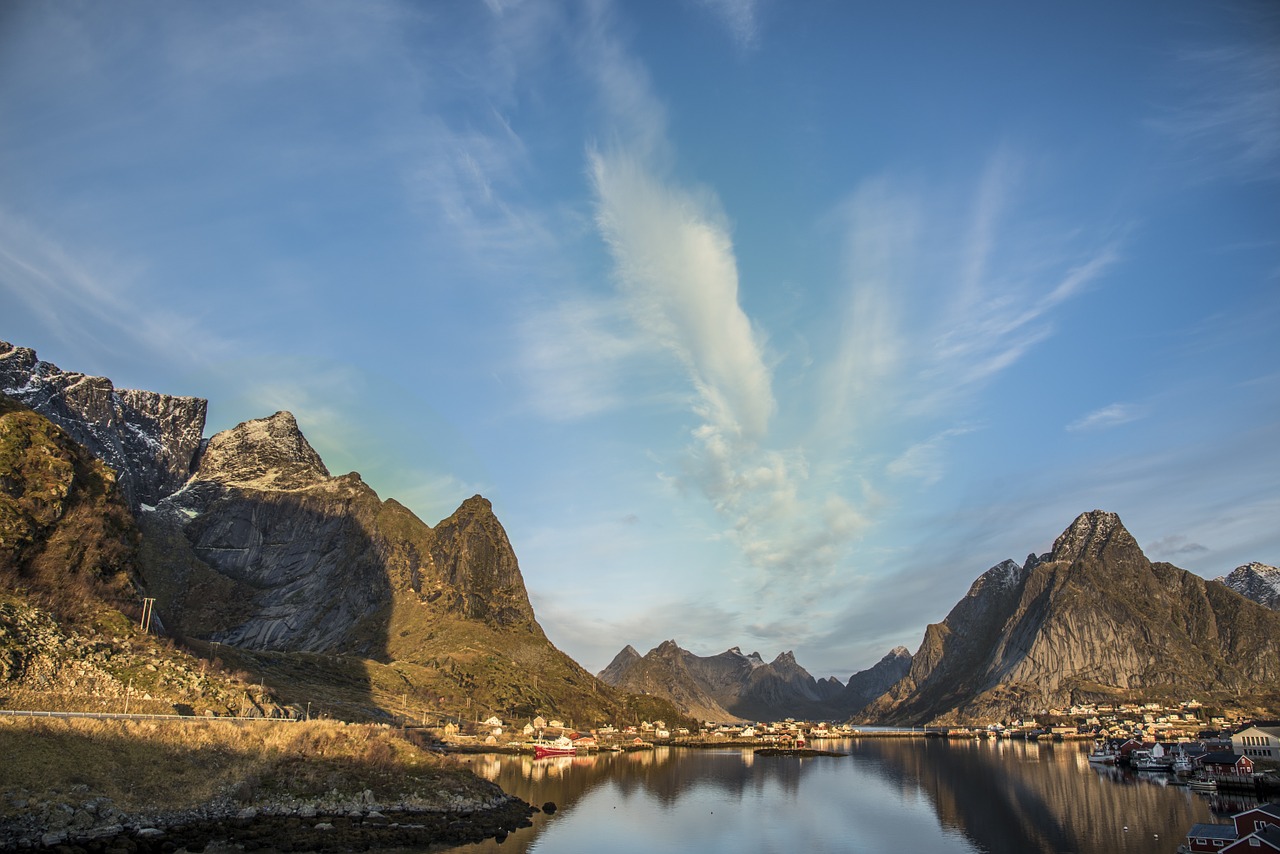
(667, 647)
(1089, 535)
(786, 658)
(1257, 581)
(755, 659)
(898, 652)
(1005, 574)
(264, 453)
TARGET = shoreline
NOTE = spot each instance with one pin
(354, 823)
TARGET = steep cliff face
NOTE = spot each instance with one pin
(477, 566)
(1093, 619)
(866, 685)
(1256, 581)
(151, 440)
(314, 560)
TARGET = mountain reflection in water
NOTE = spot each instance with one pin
(927, 795)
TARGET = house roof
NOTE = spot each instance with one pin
(1220, 757)
(1212, 831)
(1272, 810)
(1269, 836)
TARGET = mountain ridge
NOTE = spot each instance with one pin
(254, 553)
(1092, 619)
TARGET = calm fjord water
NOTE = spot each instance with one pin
(887, 795)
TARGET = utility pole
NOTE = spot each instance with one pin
(148, 603)
(127, 692)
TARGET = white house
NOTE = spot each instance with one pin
(1258, 742)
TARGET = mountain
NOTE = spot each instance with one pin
(69, 609)
(1093, 620)
(1255, 581)
(258, 558)
(150, 440)
(866, 685)
(724, 687)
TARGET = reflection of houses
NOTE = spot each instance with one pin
(1261, 741)
(1254, 830)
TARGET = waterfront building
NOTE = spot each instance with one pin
(1261, 741)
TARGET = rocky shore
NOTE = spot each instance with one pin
(326, 824)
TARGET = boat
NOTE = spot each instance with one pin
(1202, 785)
(1144, 761)
(561, 746)
(1100, 755)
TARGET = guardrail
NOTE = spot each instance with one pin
(25, 713)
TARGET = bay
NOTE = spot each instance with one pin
(916, 794)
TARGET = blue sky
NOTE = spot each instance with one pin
(762, 324)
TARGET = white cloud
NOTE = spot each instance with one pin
(676, 269)
(1106, 417)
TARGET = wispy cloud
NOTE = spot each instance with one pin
(1106, 417)
(1228, 117)
(926, 461)
(677, 278)
(574, 353)
(82, 296)
(740, 18)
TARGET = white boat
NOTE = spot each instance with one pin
(1102, 756)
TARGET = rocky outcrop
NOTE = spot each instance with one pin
(1256, 581)
(1093, 619)
(151, 440)
(266, 454)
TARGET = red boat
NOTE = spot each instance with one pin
(562, 746)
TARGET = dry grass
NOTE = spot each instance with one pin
(144, 765)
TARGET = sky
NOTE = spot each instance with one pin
(761, 324)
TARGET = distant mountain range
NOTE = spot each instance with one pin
(1092, 620)
(255, 554)
(733, 686)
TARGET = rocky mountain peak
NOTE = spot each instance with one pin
(149, 439)
(785, 659)
(1256, 581)
(265, 453)
(1094, 535)
(473, 553)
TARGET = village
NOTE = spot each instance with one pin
(1188, 721)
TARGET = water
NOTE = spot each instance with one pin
(920, 795)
